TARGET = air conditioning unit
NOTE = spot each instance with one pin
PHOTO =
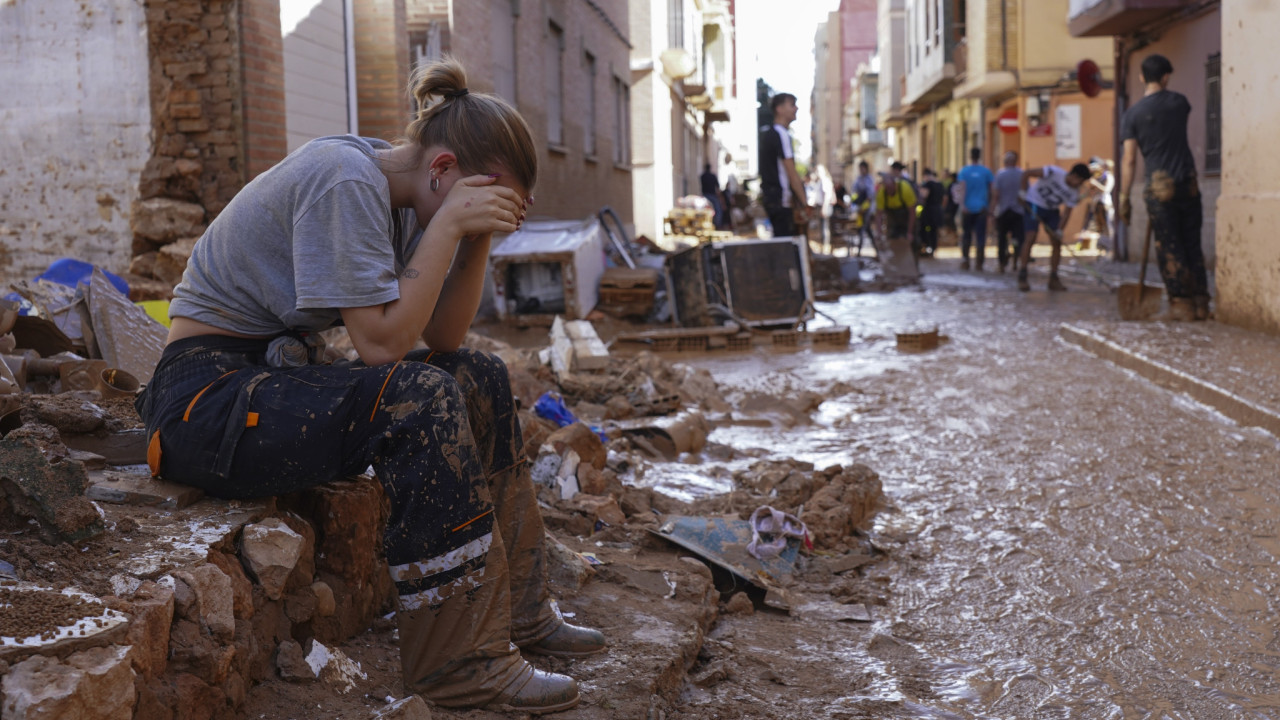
(761, 283)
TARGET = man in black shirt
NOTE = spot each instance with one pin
(1156, 126)
(711, 191)
(781, 189)
(931, 195)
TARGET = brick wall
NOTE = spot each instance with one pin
(262, 56)
(382, 67)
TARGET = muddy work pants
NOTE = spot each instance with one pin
(1176, 215)
(464, 539)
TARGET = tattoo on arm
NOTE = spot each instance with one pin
(409, 273)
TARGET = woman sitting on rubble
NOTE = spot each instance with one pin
(392, 242)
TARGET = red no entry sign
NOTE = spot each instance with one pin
(1008, 121)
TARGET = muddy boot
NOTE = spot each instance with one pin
(964, 264)
(1200, 308)
(1023, 285)
(1180, 310)
(456, 650)
(1055, 284)
(566, 641)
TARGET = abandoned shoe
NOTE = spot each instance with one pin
(1023, 285)
(537, 692)
(569, 641)
(1055, 284)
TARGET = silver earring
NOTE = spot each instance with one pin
(435, 183)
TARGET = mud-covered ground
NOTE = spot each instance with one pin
(1061, 539)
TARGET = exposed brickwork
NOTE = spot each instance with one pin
(195, 98)
(382, 67)
(262, 56)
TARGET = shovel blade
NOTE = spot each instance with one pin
(1138, 302)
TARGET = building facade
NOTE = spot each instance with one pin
(1189, 33)
(992, 74)
(844, 43)
(683, 84)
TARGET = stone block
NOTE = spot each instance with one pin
(600, 507)
(241, 588)
(325, 603)
(271, 550)
(95, 684)
(121, 488)
(291, 663)
(50, 493)
(583, 441)
(143, 264)
(214, 600)
(152, 610)
(163, 220)
(565, 567)
(172, 259)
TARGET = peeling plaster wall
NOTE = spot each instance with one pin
(1248, 271)
(75, 125)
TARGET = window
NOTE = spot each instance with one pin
(1213, 114)
(621, 122)
(503, 39)
(675, 23)
(589, 132)
(555, 84)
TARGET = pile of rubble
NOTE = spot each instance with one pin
(187, 601)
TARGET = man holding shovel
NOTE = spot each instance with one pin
(1156, 126)
(1055, 189)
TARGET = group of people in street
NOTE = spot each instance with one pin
(1016, 203)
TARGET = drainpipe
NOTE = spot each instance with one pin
(1004, 34)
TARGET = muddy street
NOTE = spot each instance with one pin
(1063, 538)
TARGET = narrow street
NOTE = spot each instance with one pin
(1064, 539)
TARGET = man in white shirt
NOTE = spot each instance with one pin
(1055, 188)
(781, 189)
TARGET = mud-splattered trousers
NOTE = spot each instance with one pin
(441, 432)
(1176, 215)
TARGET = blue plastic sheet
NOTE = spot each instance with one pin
(69, 272)
(551, 407)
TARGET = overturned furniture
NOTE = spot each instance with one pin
(759, 283)
(549, 268)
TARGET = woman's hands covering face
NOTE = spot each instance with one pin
(477, 205)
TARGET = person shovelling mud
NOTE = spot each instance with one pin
(1054, 190)
(390, 241)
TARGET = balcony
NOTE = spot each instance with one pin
(935, 74)
(1103, 18)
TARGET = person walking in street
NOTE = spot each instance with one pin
(951, 203)
(711, 191)
(392, 242)
(932, 194)
(781, 189)
(728, 179)
(1101, 209)
(975, 210)
(864, 203)
(1156, 127)
(896, 203)
(1010, 215)
(1049, 203)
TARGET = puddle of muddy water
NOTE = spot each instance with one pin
(1066, 540)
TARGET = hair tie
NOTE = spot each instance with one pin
(456, 93)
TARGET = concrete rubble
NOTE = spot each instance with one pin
(217, 597)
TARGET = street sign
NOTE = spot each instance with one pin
(1008, 121)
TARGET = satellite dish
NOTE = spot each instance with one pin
(1090, 78)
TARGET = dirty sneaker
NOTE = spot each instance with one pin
(1023, 285)
(1055, 284)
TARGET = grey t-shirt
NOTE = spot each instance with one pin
(311, 235)
(1009, 185)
